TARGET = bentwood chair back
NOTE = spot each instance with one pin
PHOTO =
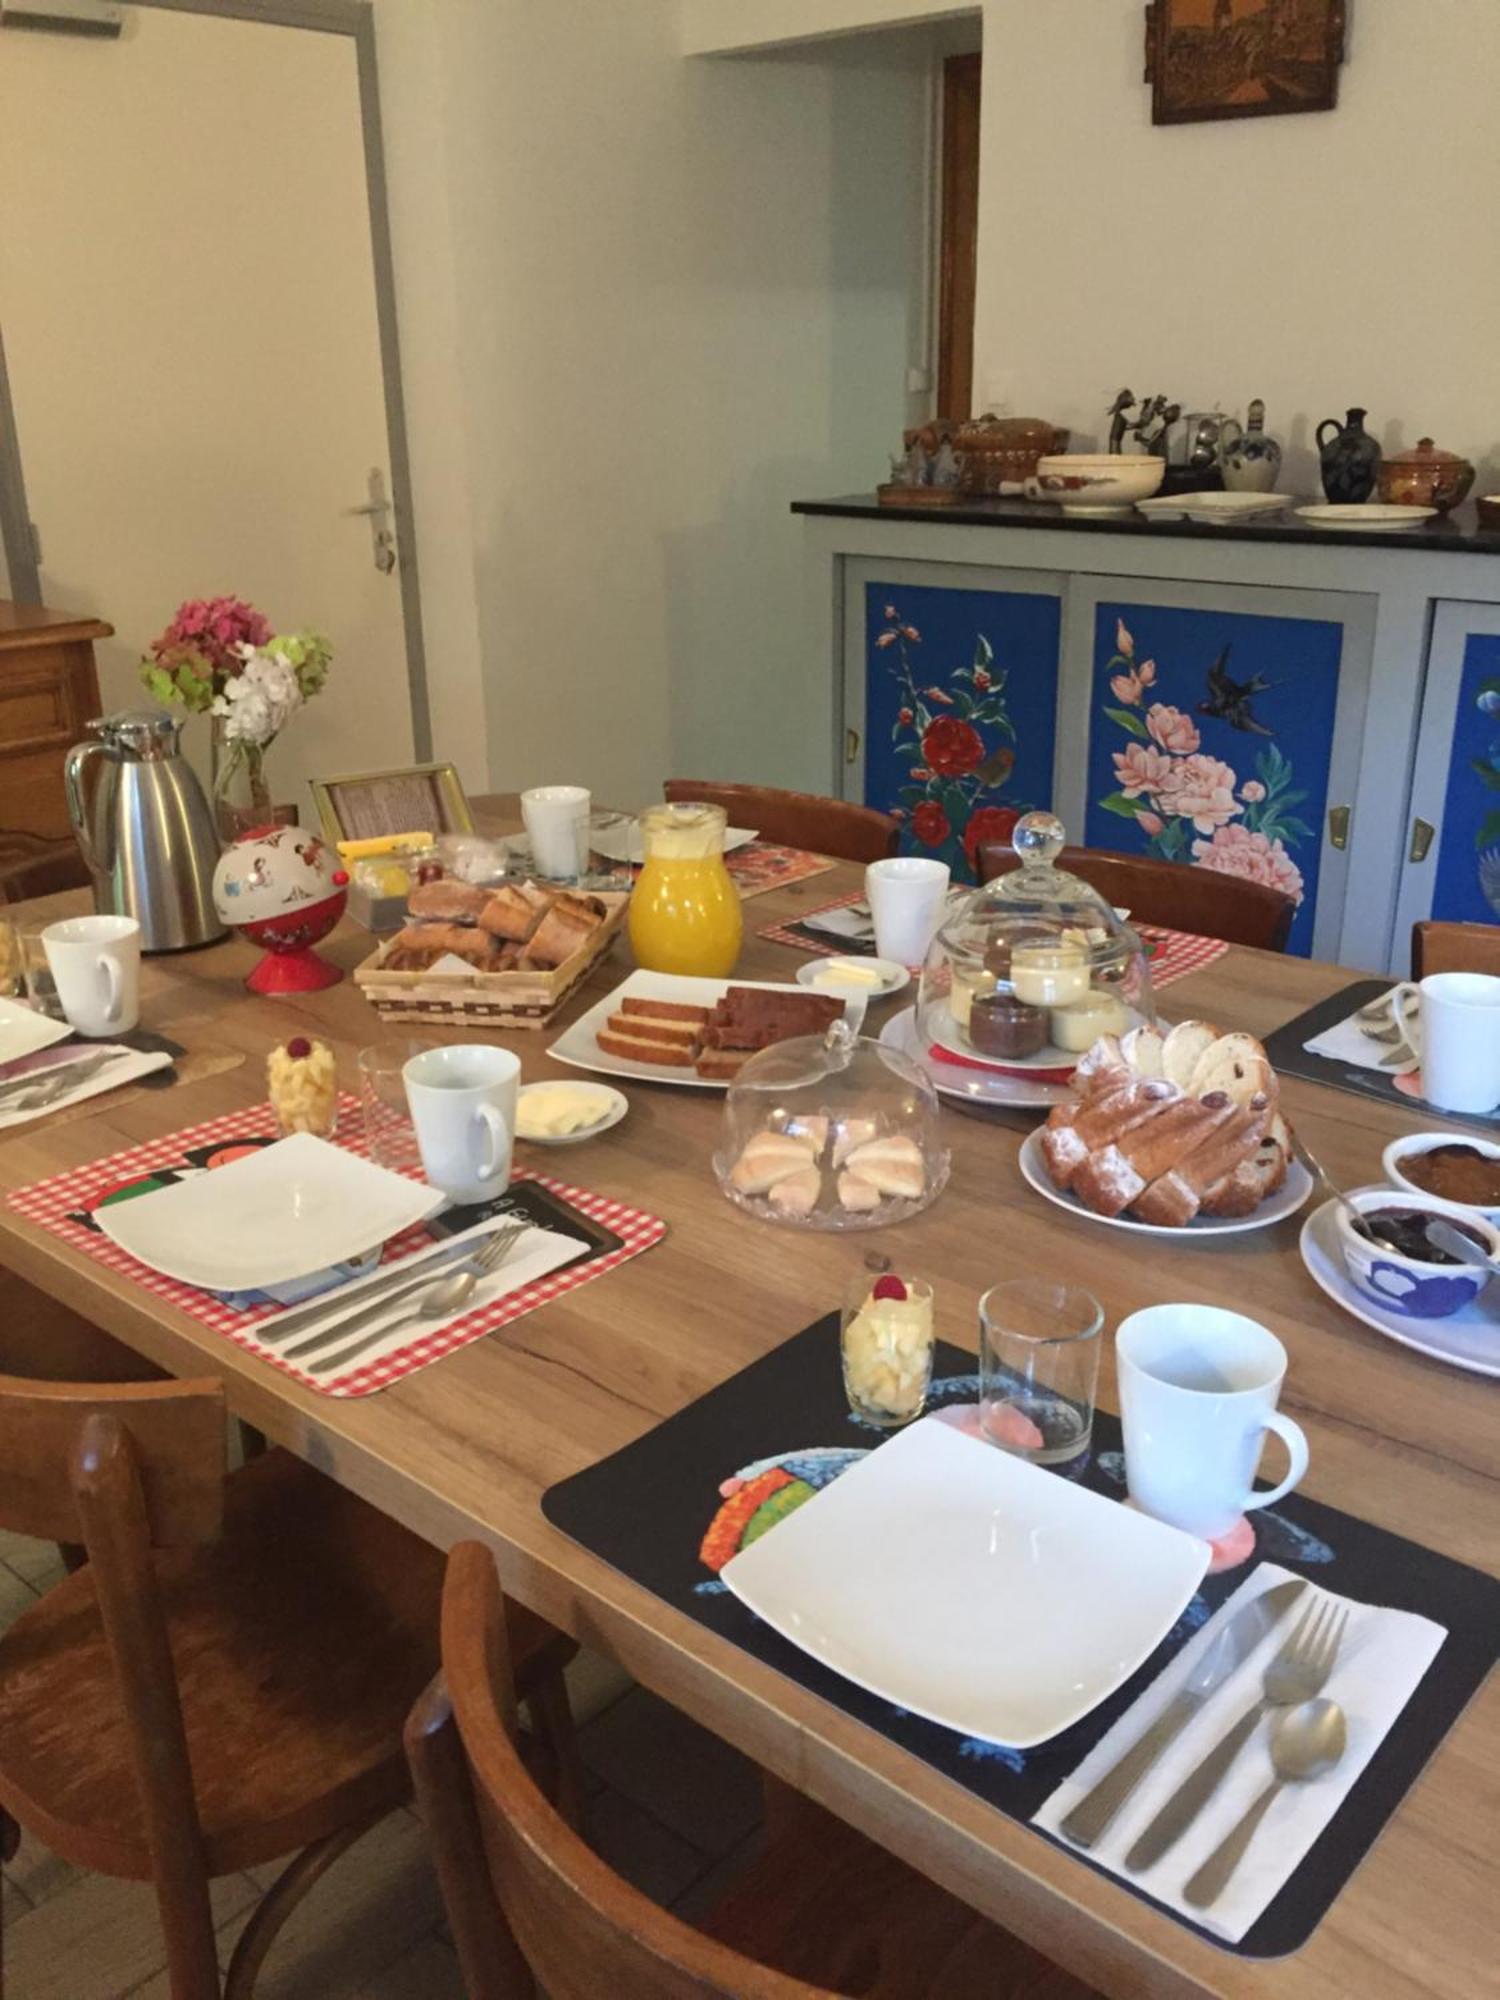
(838, 827)
(531, 1906)
(1454, 948)
(226, 1680)
(1170, 894)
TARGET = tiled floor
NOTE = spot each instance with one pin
(670, 1806)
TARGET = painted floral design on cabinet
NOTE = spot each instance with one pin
(1211, 739)
(960, 714)
(1467, 886)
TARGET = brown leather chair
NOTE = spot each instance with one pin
(1170, 894)
(823, 1912)
(1454, 948)
(226, 1679)
(44, 874)
(797, 819)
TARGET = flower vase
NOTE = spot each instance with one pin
(242, 798)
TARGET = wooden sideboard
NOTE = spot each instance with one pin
(49, 691)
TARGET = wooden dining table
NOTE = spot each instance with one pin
(468, 1446)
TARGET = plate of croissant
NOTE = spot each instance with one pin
(1167, 1131)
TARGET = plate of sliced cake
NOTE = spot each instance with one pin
(1169, 1133)
(662, 1027)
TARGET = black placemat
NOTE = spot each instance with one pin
(659, 1512)
(1290, 1058)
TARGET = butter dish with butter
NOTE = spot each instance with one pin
(565, 1113)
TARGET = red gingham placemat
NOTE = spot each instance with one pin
(1174, 954)
(53, 1205)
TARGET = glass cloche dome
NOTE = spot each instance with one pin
(1029, 971)
(831, 1132)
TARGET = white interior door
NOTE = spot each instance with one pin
(187, 293)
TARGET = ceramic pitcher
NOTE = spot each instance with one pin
(1251, 460)
(1350, 459)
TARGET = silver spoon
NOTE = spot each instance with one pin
(1305, 1743)
(1443, 1236)
(440, 1301)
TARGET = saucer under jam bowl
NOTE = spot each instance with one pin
(1412, 1287)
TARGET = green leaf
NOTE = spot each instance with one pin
(1127, 719)
(984, 652)
(1491, 686)
(963, 705)
(1171, 842)
(1489, 830)
(1124, 808)
(1485, 774)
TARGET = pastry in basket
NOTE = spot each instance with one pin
(565, 928)
(419, 947)
(1169, 1127)
(514, 911)
(446, 902)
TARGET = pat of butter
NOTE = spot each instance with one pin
(554, 1114)
(1078, 1025)
(848, 974)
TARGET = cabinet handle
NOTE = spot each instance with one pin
(1422, 831)
(851, 746)
(1338, 826)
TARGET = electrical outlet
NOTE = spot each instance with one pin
(918, 381)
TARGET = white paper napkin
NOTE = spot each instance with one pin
(128, 1065)
(538, 1252)
(1383, 1657)
(1346, 1042)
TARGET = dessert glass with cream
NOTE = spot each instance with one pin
(1030, 970)
(887, 1343)
(302, 1082)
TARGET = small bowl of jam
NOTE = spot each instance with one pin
(1390, 1261)
(1451, 1165)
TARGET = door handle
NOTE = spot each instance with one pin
(1338, 826)
(1422, 831)
(375, 511)
(851, 746)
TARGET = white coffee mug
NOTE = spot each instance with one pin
(557, 821)
(463, 1106)
(96, 967)
(1455, 1033)
(906, 897)
(1198, 1389)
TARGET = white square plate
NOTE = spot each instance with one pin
(579, 1044)
(23, 1031)
(969, 1586)
(278, 1214)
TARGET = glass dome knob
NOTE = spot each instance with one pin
(1039, 837)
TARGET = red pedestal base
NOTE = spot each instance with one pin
(293, 972)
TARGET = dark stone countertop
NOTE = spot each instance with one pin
(1456, 534)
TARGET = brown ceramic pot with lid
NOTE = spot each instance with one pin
(999, 454)
(1425, 477)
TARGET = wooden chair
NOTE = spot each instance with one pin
(1454, 948)
(1170, 894)
(797, 819)
(55, 868)
(226, 1680)
(824, 1912)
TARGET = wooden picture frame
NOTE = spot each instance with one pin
(419, 798)
(1212, 59)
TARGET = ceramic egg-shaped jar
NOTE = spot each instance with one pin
(284, 889)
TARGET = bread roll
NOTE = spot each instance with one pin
(515, 910)
(447, 901)
(856, 1194)
(894, 1166)
(798, 1193)
(1184, 1047)
(420, 946)
(768, 1158)
(564, 929)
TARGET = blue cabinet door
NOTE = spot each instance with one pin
(1211, 741)
(959, 710)
(1466, 885)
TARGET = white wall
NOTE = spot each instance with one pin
(684, 295)
(724, 27)
(1316, 260)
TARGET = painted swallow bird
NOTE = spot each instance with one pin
(1230, 700)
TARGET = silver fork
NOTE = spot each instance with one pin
(443, 1299)
(56, 1083)
(491, 1252)
(1298, 1672)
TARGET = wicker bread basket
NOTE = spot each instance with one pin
(527, 997)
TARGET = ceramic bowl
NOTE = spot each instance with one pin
(1083, 483)
(1400, 1150)
(1488, 506)
(1410, 1286)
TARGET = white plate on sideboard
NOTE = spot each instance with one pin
(1370, 514)
(970, 1587)
(280, 1213)
(1287, 1199)
(1468, 1339)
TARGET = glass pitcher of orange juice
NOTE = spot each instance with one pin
(685, 912)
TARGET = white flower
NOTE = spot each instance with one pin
(261, 699)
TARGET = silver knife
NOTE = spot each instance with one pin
(1091, 1818)
(84, 1059)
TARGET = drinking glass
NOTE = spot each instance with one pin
(12, 965)
(390, 1135)
(36, 970)
(1038, 1364)
(887, 1345)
